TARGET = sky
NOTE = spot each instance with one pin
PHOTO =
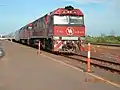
(101, 16)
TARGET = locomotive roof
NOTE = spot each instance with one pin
(60, 11)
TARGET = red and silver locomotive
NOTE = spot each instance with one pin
(62, 30)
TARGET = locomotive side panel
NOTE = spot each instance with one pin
(43, 27)
(17, 38)
(50, 26)
(21, 33)
(39, 28)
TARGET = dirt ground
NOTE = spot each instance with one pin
(105, 52)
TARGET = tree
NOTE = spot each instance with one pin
(112, 33)
(103, 35)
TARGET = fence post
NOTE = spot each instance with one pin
(88, 58)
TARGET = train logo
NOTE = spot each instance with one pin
(70, 31)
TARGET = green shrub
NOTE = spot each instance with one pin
(103, 39)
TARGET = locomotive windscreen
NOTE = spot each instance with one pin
(70, 20)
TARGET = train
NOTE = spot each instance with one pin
(61, 30)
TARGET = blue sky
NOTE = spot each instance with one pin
(101, 16)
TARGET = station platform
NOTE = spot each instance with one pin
(23, 69)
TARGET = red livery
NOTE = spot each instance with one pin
(69, 31)
(61, 30)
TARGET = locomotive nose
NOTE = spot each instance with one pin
(69, 46)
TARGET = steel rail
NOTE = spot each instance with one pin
(106, 67)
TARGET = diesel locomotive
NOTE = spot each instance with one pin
(62, 30)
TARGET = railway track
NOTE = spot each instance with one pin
(106, 44)
(96, 62)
